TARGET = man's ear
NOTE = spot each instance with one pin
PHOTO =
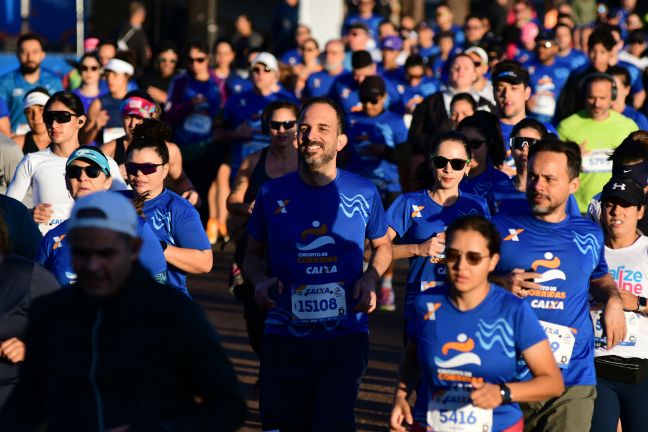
(342, 141)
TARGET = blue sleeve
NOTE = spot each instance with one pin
(642, 121)
(257, 226)
(42, 254)
(637, 81)
(188, 231)
(4, 111)
(528, 330)
(400, 133)
(602, 267)
(377, 223)
(151, 255)
(397, 216)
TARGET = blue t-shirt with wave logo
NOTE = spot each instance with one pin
(315, 242)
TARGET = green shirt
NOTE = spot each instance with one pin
(597, 140)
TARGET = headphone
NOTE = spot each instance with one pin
(599, 75)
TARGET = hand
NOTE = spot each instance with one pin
(191, 196)
(160, 96)
(102, 119)
(615, 324)
(13, 350)
(400, 411)
(432, 247)
(486, 395)
(261, 292)
(42, 213)
(516, 282)
(365, 290)
(244, 131)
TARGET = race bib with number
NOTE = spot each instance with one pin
(196, 123)
(597, 161)
(452, 411)
(561, 340)
(632, 327)
(113, 133)
(318, 303)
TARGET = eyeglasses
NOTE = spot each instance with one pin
(472, 27)
(167, 60)
(276, 125)
(475, 143)
(473, 258)
(60, 116)
(259, 70)
(518, 143)
(197, 59)
(457, 164)
(145, 168)
(74, 171)
(89, 68)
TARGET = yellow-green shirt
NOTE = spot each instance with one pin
(597, 140)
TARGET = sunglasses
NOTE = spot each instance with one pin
(276, 125)
(197, 59)
(259, 70)
(372, 100)
(74, 171)
(60, 116)
(473, 258)
(518, 143)
(89, 68)
(475, 143)
(457, 164)
(133, 168)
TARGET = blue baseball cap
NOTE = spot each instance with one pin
(90, 154)
(391, 42)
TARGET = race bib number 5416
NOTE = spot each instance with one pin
(452, 411)
(318, 303)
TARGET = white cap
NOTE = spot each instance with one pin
(119, 66)
(480, 53)
(105, 210)
(267, 59)
(35, 98)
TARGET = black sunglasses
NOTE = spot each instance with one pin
(145, 168)
(74, 171)
(276, 125)
(518, 143)
(473, 258)
(372, 100)
(258, 70)
(89, 68)
(475, 143)
(60, 116)
(457, 164)
(197, 59)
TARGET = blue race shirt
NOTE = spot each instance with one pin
(248, 106)
(636, 80)
(4, 111)
(315, 241)
(637, 116)
(345, 91)
(574, 60)
(458, 348)
(54, 254)
(416, 218)
(484, 184)
(567, 254)
(512, 202)
(86, 100)
(373, 22)
(546, 83)
(13, 88)
(387, 128)
(174, 220)
(411, 96)
(318, 84)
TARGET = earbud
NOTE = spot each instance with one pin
(80, 122)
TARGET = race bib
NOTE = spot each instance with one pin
(199, 124)
(318, 303)
(452, 411)
(113, 133)
(561, 340)
(597, 161)
(632, 327)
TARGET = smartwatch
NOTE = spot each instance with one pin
(642, 302)
(505, 392)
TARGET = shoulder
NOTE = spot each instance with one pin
(468, 198)
(348, 180)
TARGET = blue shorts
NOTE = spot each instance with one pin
(311, 384)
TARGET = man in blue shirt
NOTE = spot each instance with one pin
(555, 261)
(366, 16)
(319, 84)
(305, 258)
(568, 56)
(415, 86)
(622, 78)
(14, 85)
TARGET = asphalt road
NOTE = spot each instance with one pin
(386, 345)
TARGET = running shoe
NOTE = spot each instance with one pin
(386, 300)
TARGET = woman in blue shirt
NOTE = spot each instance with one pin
(465, 339)
(173, 218)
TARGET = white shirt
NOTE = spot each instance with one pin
(629, 269)
(45, 173)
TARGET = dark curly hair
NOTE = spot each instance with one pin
(151, 133)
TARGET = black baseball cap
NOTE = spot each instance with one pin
(371, 87)
(546, 35)
(625, 189)
(510, 71)
(361, 59)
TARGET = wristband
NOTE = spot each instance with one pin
(505, 392)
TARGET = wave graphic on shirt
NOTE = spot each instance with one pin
(355, 204)
(317, 243)
(587, 243)
(499, 332)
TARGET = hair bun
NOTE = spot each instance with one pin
(152, 129)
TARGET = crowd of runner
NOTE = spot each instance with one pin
(506, 159)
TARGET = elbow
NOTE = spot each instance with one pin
(205, 264)
(557, 386)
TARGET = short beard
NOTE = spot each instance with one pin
(26, 70)
(314, 163)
